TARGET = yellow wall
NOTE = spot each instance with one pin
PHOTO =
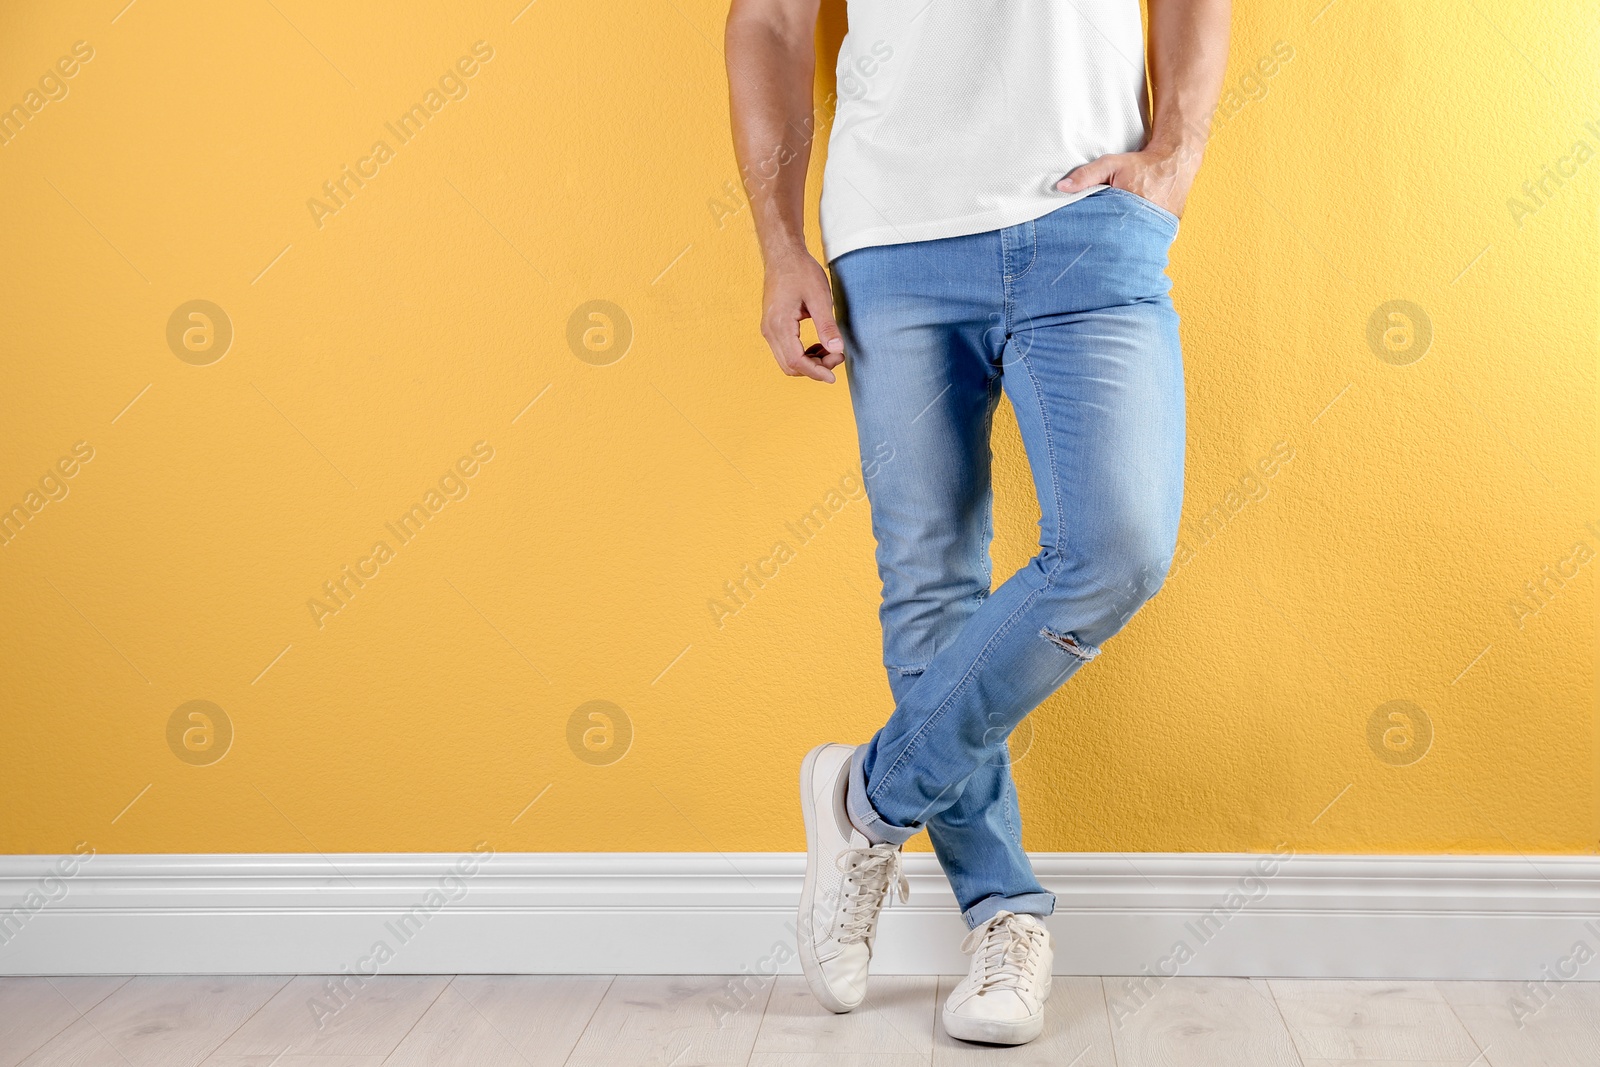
(376, 346)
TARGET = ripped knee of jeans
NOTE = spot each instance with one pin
(908, 672)
(1069, 643)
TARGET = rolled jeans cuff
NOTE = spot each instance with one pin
(1040, 904)
(863, 816)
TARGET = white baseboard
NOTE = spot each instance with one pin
(1488, 917)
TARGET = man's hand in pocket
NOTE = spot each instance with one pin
(1161, 176)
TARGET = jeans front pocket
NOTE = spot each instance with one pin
(1149, 205)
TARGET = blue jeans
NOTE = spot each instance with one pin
(1070, 315)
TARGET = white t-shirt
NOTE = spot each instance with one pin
(959, 116)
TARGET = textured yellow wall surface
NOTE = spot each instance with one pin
(254, 316)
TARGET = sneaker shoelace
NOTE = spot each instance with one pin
(1004, 950)
(868, 874)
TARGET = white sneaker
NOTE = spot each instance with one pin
(847, 879)
(1001, 1001)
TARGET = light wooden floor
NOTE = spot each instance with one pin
(489, 1021)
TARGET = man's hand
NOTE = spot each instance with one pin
(1162, 176)
(797, 288)
(770, 47)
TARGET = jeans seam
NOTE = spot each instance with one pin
(1033, 250)
(985, 564)
(1005, 285)
(1007, 803)
(1050, 457)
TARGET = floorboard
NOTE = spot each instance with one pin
(1366, 1022)
(1198, 1022)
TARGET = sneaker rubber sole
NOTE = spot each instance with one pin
(809, 965)
(996, 1031)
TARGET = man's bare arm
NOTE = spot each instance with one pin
(771, 55)
(1188, 54)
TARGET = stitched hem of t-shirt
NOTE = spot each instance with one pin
(938, 229)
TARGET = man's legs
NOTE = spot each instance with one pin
(922, 326)
(1087, 342)
(1073, 312)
